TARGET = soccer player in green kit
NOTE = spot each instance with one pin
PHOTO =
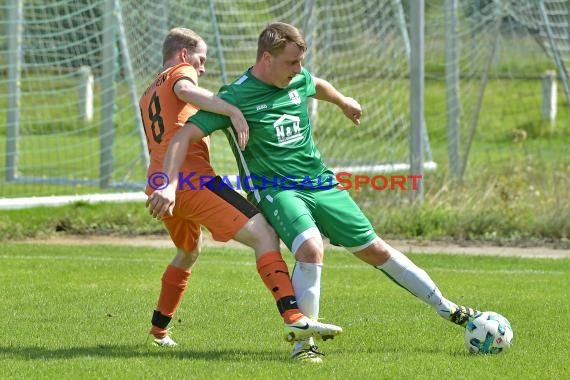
(284, 176)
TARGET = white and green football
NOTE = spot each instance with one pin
(488, 333)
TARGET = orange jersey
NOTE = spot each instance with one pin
(163, 113)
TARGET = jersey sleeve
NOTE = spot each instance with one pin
(309, 83)
(209, 122)
(184, 71)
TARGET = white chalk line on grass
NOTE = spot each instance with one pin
(252, 263)
(81, 258)
(410, 247)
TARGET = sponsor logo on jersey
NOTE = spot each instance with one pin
(295, 97)
(287, 129)
(261, 107)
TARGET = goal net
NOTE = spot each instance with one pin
(514, 52)
(56, 52)
(71, 73)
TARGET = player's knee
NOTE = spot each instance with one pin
(376, 253)
(259, 235)
(310, 251)
(186, 258)
(262, 232)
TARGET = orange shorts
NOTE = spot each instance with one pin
(217, 207)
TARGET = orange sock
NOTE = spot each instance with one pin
(174, 281)
(275, 275)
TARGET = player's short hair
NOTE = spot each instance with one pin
(179, 38)
(276, 36)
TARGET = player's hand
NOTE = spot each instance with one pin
(161, 202)
(352, 109)
(241, 127)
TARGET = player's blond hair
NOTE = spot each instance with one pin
(179, 38)
(276, 36)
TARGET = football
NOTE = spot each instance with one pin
(488, 333)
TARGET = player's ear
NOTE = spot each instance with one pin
(266, 57)
(183, 55)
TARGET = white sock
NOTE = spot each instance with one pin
(300, 344)
(414, 279)
(306, 280)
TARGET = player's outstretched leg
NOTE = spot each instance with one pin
(306, 327)
(409, 276)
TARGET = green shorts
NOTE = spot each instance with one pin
(296, 214)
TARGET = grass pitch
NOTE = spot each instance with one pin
(83, 313)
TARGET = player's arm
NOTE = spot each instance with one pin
(161, 202)
(188, 92)
(327, 92)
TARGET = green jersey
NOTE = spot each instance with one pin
(281, 153)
